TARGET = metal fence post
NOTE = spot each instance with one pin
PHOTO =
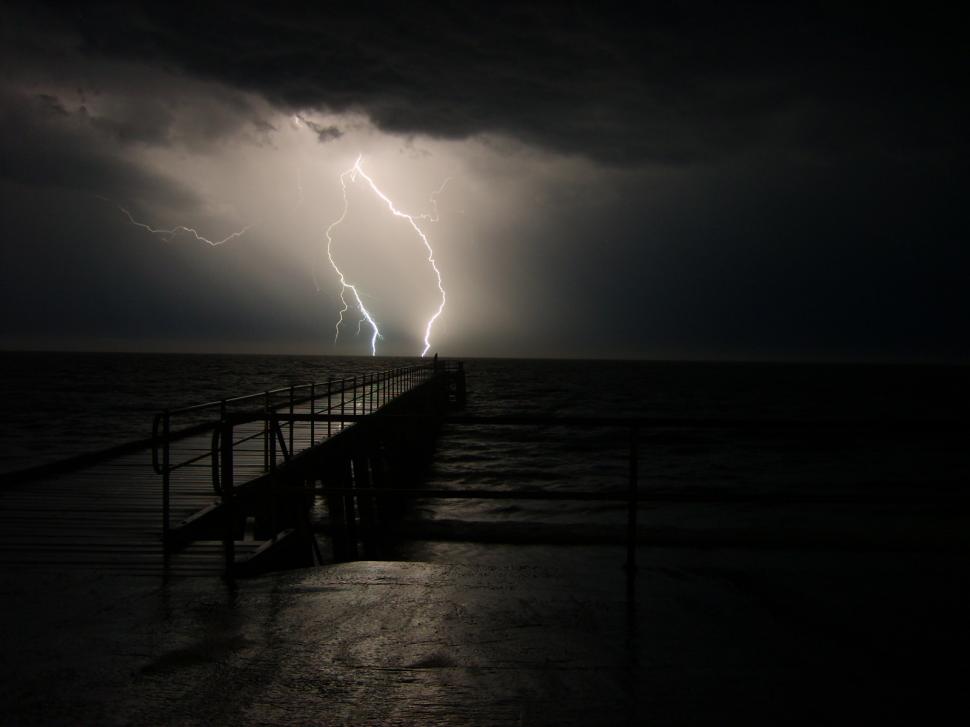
(229, 538)
(313, 413)
(266, 432)
(631, 511)
(275, 424)
(329, 404)
(166, 485)
(292, 393)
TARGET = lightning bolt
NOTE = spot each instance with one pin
(167, 235)
(344, 285)
(434, 202)
(353, 173)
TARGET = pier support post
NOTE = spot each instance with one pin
(229, 537)
(631, 509)
(350, 511)
(166, 488)
(338, 516)
(460, 395)
(365, 504)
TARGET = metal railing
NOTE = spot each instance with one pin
(334, 399)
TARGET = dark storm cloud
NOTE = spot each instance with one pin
(43, 144)
(766, 180)
(324, 133)
(128, 102)
(674, 82)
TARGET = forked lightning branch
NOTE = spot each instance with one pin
(347, 288)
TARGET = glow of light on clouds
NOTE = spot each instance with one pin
(263, 181)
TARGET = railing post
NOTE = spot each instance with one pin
(292, 392)
(353, 389)
(166, 485)
(632, 505)
(313, 413)
(229, 538)
(343, 402)
(275, 425)
(266, 432)
(329, 404)
(272, 444)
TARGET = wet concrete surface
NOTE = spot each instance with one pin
(710, 637)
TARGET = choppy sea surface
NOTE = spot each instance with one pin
(836, 434)
(56, 405)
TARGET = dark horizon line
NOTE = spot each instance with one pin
(727, 360)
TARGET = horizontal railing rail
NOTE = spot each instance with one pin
(317, 391)
(328, 402)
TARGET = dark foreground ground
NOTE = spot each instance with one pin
(713, 636)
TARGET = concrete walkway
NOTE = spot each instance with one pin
(711, 638)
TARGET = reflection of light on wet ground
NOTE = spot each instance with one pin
(770, 637)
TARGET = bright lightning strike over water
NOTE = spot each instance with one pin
(353, 173)
(344, 285)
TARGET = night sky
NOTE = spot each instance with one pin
(711, 181)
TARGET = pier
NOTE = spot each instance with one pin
(271, 455)
(159, 506)
(125, 596)
(319, 473)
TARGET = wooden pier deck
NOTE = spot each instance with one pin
(109, 516)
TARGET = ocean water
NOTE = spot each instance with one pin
(60, 404)
(829, 449)
(56, 405)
